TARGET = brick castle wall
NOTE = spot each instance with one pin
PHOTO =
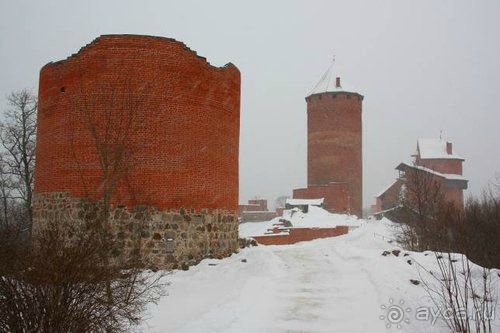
(171, 120)
(248, 208)
(176, 115)
(334, 142)
(261, 202)
(301, 234)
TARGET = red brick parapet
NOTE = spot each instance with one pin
(296, 235)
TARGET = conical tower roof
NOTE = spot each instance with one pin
(330, 82)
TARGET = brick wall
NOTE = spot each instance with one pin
(451, 190)
(301, 234)
(454, 195)
(391, 197)
(261, 202)
(247, 208)
(334, 150)
(170, 122)
(451, 166)
(174, 116)
(336, 196)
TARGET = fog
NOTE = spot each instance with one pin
(423, 67)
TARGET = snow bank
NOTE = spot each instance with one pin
(249, 229)
(317, 217)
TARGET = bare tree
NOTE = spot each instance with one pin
(17, 137)
(281, 200)
(73, 277)
(496, 184)
(67, 281)
(463, 289)
(110, 131)
(5, 193)
(422, 199)
(422, 192)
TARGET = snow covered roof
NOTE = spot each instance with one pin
(333, 87)
(302, 202)
(439, 174)
(435, 148)
(330, 82)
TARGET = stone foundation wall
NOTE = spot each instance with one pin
(167, 239)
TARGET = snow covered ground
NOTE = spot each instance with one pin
(315, 218)
(340, 284)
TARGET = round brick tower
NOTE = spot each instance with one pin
(334, 142)
(164, 122)
(175, 114)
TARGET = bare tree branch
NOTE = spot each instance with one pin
(17, 137)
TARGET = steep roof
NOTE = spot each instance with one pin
(331, 84)
(449, 176)
(434, 149)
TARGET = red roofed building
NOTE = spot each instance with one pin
(436, 161)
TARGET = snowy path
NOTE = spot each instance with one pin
(317, 293)
(329, 285)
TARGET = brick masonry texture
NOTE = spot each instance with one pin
(390, 198)
(334, 143)
(248, 208)
(168, 239)
(261, 202)
(451, 166)
(168, 117)
(177, 115)
(301, 234)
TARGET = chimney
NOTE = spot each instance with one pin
(337, 83)
(449, 148)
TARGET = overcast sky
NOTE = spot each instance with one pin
(423, 67)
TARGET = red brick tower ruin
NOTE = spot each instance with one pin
(169, 123)
(334, 149)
